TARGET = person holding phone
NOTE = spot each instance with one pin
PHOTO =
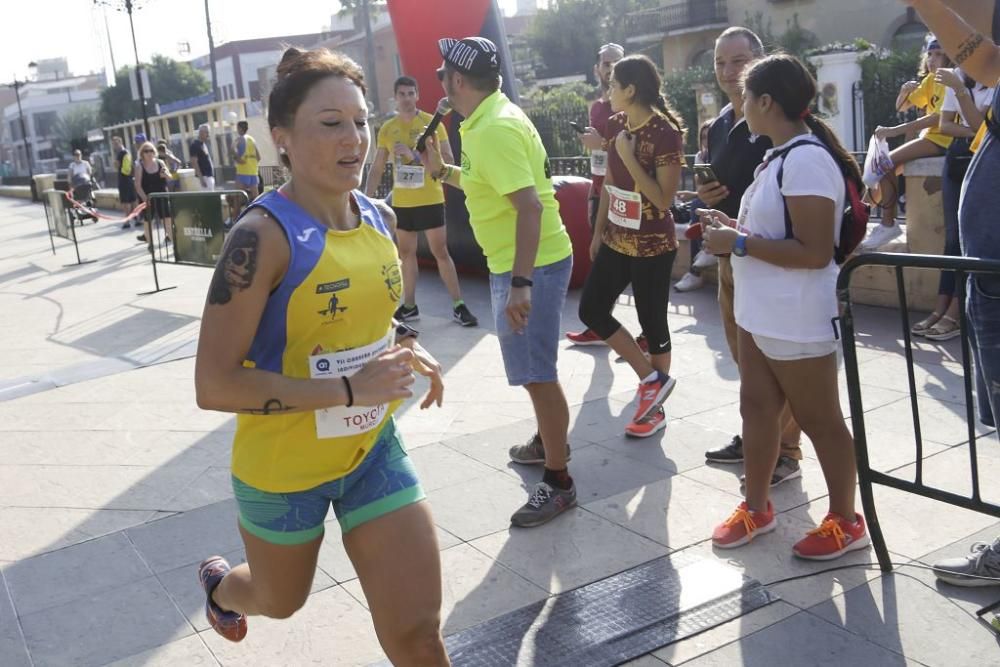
(735, 153)
(634, 237)
(785, 300)
(700, 260)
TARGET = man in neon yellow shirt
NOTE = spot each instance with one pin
(417, 200)
(515, 219)
(247, 158)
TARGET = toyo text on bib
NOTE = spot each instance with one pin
(599, 163)
(342, 421)
(409, 177)
(624, 207)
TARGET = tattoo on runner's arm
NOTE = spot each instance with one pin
(968, 47)
(271, 407)
(236, 267)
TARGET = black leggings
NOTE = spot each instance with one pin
(650, 278)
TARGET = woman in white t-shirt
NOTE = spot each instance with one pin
(785, 303)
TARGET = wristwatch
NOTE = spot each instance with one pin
(520, 281)
(740, 246)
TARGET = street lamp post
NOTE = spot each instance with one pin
(138, 70)
(129, 6)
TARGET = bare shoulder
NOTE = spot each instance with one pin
(388, 215)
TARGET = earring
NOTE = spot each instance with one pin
(281, 150)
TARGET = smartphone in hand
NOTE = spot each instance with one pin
(704, 174)
(577, 127)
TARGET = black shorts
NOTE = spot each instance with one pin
(419, 218)
(126, 190)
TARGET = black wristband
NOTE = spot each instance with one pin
(520, 281)
(350, 392)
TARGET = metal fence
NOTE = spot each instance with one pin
(963, 266)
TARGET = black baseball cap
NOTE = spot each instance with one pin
(477, 56)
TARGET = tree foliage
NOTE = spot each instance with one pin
(72, 127)
(567, 35)
(169, 79)
(551, 112)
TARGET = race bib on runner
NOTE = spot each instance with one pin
(409, 177)
(599, 163)
(624, 207)
(341, 421)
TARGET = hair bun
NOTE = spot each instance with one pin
(288, 59)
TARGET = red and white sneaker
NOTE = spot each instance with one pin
(652, 394)
(656, 421)
(229, 624)
(584, 338)
(743, 525)
(834, 538)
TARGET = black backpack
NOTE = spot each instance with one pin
(854, 224)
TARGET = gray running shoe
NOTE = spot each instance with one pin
(532, 452)
(787, 468)
(983, 561)
(545, 503)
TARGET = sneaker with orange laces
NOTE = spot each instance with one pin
(652, 394)
(743, 525)
(834, 538)
(229, 624)
(584, 338)
(656, 421)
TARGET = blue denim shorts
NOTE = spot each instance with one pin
(530, 357)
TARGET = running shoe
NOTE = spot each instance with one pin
(584, 338)
(532, 452)
(785, 469)
(655, 422)
(229, 624)
(743, 525)
(462, 315)
(731, 453)
(689, 282)
(834, 538)
(981, 567)
(545, 503)
(881, 235)
(652, 394)
(404, 314)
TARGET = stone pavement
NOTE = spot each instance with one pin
(114, 485)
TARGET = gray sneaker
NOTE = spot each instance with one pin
(787, 468)
(532, 452)
(545, 503)
(983, 561)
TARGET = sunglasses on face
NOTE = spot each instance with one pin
(148, 150)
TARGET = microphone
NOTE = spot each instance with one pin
(443, 109)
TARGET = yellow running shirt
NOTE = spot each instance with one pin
(411, 184)
(331, 313)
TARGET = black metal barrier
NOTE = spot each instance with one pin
(189, 227)
(866, 476)
(60, 222)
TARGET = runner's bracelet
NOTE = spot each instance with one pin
(350, 393)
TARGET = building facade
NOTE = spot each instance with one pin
(685, 30)
(43, 102)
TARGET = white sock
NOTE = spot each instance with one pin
(652, 376)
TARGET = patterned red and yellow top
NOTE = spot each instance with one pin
(658, 143)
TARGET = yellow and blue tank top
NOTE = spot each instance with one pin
(331, 312)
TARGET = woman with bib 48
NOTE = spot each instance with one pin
(634, 239)
(298, 339)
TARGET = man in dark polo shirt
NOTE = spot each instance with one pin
(735, 154)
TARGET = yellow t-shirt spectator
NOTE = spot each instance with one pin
(929, 96)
